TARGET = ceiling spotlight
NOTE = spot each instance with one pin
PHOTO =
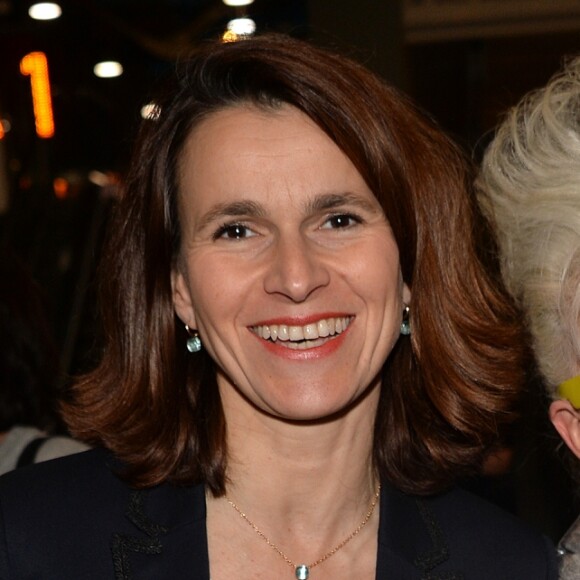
(238, 2)
(44, 11)
(108, 69)
(242, 26)
(150, 111)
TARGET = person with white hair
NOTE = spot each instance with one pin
(529, 189)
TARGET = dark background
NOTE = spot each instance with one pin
(465, 78)
(465, 75)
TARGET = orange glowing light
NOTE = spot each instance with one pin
(2, 132)
(61, 187)
(229, 36)
(36, 65)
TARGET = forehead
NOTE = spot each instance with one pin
(246, 151)
(245, 130)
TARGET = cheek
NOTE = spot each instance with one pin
(379, 277)
(218, 287)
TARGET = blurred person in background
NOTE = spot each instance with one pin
(529, 188)
(29, 373)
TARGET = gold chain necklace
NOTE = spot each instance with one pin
(302, 571)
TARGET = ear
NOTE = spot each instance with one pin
(566, 420)
(182, 302)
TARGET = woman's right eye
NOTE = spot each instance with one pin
(233, 232)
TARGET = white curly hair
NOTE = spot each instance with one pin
(529, 189)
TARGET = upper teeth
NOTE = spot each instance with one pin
(321, 329)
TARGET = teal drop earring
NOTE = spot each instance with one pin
(406, 323)
(193, 342)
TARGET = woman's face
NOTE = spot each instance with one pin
(288, 267)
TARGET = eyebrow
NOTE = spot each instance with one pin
(331, 201)
(221, 211)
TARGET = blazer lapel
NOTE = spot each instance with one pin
(169, 538)
(412, 545)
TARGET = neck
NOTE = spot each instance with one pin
(305, 486)
(306, 473)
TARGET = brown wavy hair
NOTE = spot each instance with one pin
(446, 390)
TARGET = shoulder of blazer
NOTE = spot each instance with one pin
(93, 525)
(456, 535)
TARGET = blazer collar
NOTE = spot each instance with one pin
(169, 538)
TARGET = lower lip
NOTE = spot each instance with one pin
(326, 349)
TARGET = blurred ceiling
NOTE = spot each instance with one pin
(457, 77)
(94, 117)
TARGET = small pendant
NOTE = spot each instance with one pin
(302, 572)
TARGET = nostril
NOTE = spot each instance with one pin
(296, 271)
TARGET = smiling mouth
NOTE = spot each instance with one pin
(306, 336)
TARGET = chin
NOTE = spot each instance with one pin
(313, 412)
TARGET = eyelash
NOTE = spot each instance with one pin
(229, 227)
(346, 216)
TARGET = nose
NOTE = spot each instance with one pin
(296, 269)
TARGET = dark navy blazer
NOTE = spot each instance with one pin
(73, 519)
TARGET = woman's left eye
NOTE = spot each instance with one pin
(343, 220)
